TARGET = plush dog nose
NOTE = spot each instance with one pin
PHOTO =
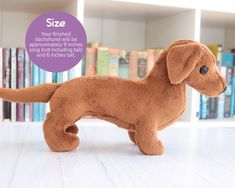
(225, 88)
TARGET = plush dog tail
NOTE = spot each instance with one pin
(40, 93)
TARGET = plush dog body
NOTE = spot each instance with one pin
(142, 107)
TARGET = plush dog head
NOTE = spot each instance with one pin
(193, 62)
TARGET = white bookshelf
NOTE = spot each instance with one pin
(152, 23)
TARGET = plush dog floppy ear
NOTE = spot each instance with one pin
(181, 60)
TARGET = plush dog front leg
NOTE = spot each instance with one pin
(147, 141)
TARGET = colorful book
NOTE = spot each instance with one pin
(59, 77)
(27, 83)
(233, 94)
(1, 83)
(228, 92)
(54, 77)
(36, 81)
(90, 61)
(123, 65)
(142, 64)
(65, 76)
(150, 59)
(221, 97)
(20, 80)
(71, 74)
(114, 61)
(42, 106)
(13, 81)
(204, 107)
(157, 53)
(6, 82)
(228, 59)
(212, 107)
(133, 64)
(103, 61)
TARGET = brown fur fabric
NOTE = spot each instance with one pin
(142, 107)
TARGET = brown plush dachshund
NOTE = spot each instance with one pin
(142, 107)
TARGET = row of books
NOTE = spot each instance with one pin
(224, 105)
(134, 64)
(17, 71)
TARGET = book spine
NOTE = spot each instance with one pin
(59, 77)
(20, 80)
(48, 80)
(1, 82)
(54, 77)
(27, 71)
(7, 82)
(228, 93)
(102, 61)
(42, 106)
(133, 65)
(113, 61)
(65, 76)
(221, 98)
(232, 106)
(71, 74)
(142, 65)
(150, 60)
(13, 81)
(212, 107)
(31, 84)
(90, 61)
(35, 83)
(204, 104)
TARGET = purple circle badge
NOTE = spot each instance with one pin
(56, 41)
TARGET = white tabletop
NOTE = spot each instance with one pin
(194, 157)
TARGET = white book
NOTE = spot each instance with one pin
(48, 80)
(65, 76)
(1, 84)
(13, 81)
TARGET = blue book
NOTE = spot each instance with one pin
(123, 68)
(228, 60)
(36, 81)
(233, 93)
(54, 77)
(59, 77)
(204, 107)
(42, 106)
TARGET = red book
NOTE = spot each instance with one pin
(20, 81)
(6, 81)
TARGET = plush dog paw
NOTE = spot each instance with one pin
(132, 136)
(66, 143)
(152, 149)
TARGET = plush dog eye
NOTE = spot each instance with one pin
(204, 70)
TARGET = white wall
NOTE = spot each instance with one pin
(116, 33)
(1, 28)
(212, 35)
(14, 27)
(161, 33)
(230, 38)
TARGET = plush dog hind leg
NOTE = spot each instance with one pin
(132, 136)
(147, 141)
(56, 136)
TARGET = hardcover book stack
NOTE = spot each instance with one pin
(134, 64)
(17, 71)
(224, 105)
